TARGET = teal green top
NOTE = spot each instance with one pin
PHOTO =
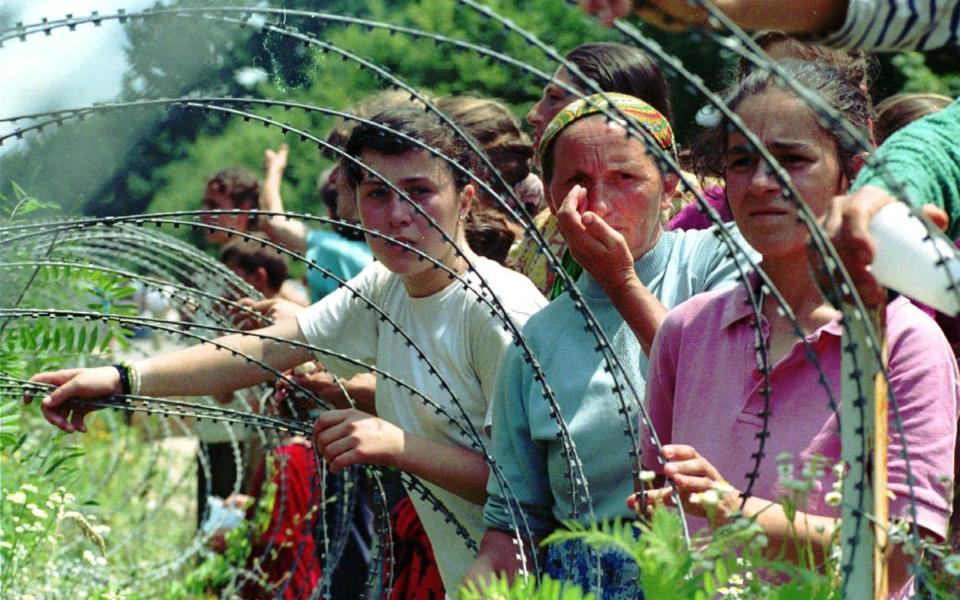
(342, 257)
(923, 157)
(525, 434)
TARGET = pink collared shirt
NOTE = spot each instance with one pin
(703, 389)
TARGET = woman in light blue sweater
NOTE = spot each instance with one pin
(612, 192)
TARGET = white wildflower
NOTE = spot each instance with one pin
(785, 471)
(710, 497)
(5, 544)
(732, 592)
(38, 512)
(736, 580)
(838, 470)
(647, 476)
(29, 487)
(17, 497)
(723, 487)
(833, 498)
(951, 564)
(695, 498)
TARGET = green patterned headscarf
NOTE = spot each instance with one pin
(640, 113)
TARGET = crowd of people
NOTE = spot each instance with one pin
(505, 362)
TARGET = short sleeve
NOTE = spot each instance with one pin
(490, 335)
(717, 262)
(891, 25)
(488, 342)
(345, 324)
(522, 462)
(661, 379)
(928, 151)
(924, 384)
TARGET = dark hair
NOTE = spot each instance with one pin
(366, 108)
(900, 110)
(623, 69)
(488, 233)
(499, 133)
(420, 125)
(248, 255)
(241, 186)
(836, 90)
(328, 193)
(856, 66)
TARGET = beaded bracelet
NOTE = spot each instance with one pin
(129, 378)
(124, 372)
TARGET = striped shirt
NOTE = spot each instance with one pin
(893, 25)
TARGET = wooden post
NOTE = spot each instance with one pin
(863, 424)
(881, 504)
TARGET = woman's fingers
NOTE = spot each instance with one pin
(344, 460)
(75, 383)
(599, 230)
(77, 420)
(651, 499)
(678, 452)
(691, 484)
(329, 426)
(56, 378)
(333, 451)
(570, 209)
(687, 469)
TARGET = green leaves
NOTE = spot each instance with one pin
(9, 424)
(524, 589)
(67, 287)
(62, 338)
(22, 207)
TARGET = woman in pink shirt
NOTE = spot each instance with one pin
(705, 388)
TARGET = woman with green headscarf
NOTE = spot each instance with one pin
(609, 189)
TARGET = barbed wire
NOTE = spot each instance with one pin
(839, 282)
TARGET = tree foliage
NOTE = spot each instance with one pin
(125, 162)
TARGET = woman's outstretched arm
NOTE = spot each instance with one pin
(205, 369)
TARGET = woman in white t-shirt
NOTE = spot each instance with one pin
(434, 343)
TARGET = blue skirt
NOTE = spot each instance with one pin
(616, 573)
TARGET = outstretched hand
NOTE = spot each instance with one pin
(349, 437)
(314, 378)
(692, 475)
(275, 309)
(607, 10)
(596, 246)
(74, 383)
(274, 163)
(670, 15)
(276, 160)
(848, 224)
